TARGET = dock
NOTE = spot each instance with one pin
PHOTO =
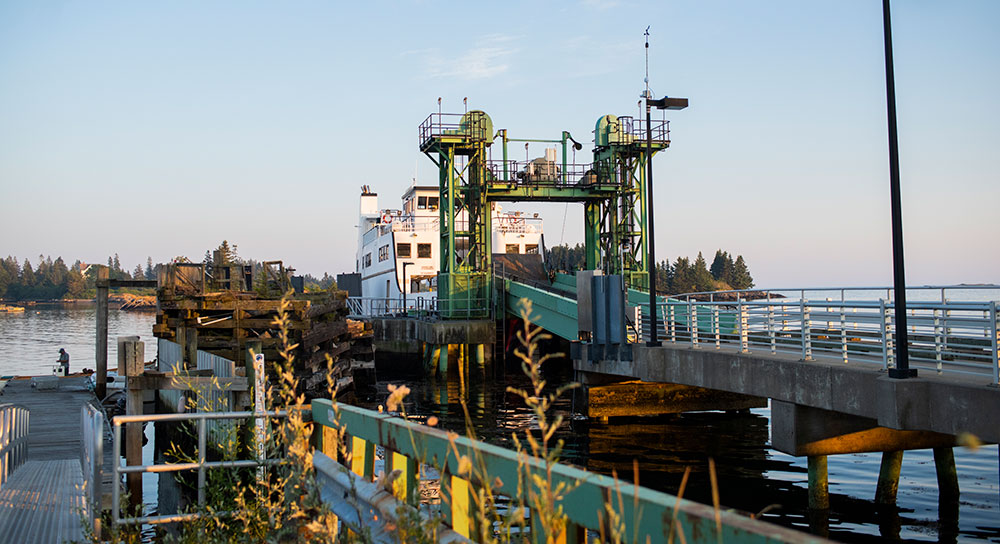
(43, 500)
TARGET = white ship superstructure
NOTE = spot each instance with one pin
(400, 247)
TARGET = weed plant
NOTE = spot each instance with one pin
(281, 502)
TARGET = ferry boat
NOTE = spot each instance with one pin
(399, 248)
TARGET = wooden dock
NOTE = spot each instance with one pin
(42, 501)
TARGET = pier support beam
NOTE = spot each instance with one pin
(802, 430)
(101, 338)
(443, 360)
(888, 477)
(131, 353)
(638, 398)
(819, 484)
(947, 476)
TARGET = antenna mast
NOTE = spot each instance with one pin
(647, 94)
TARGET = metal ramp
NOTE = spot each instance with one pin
(43, 502)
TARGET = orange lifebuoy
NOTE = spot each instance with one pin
(386, 218)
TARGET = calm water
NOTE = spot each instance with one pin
(752, 476)
(30, 342)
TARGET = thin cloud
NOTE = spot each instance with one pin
(488, 59)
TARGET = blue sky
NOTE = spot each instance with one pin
(162, 128)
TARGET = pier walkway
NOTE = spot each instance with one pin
(43, 500)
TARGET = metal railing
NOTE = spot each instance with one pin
(92, 425)
(14, 424)
(202, 465)
(411, 449)
(945, 336)
(469, 125)
(417, 306)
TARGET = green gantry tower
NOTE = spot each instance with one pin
(612, 190)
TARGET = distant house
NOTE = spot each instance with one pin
(84, 268)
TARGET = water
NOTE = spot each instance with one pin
(752, 476)
(30, 342)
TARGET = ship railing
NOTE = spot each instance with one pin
(419, 224)
(945, 335)
(416, 306)
(516, 224)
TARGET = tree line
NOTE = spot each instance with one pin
(53, 279)
(681, 276)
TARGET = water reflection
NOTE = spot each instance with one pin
(752, 478)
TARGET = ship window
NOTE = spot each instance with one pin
(402, 250)
(531, 249)
(423, 251)
(422, 203)
(513, 248)
(368, 260)
(432, 202)
(383, 253)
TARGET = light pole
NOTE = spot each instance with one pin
(665, 103)
(405, 264)
(902, 369)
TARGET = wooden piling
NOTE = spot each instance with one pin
(947, 475)
(101, 335)
(130, 356)
(888, 477)
(819, 485)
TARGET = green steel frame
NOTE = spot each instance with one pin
(612, 190)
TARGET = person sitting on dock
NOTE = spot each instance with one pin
(64, 361)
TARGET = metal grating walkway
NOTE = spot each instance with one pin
(42, 502)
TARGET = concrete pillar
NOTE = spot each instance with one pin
(947, 475)
(819, 485)
(888, 477)
(101, 335)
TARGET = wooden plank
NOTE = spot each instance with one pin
(188, 383)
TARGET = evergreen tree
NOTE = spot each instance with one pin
(27, 274)
(150, 273)
(137, 273)
(741, 274)
(227, 253)
(719, 264)
(702, 277)
(117, 267)
(683, 277)
(75, 283)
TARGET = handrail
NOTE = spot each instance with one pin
(14, 427)
(645, 513)
(958, 337)
(201, 465)
(92, 463)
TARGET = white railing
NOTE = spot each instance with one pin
(201, 465)
(368, 307)
(92, 463)
(945, 336)
(14, 422)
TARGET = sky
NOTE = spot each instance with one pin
(161, 128)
